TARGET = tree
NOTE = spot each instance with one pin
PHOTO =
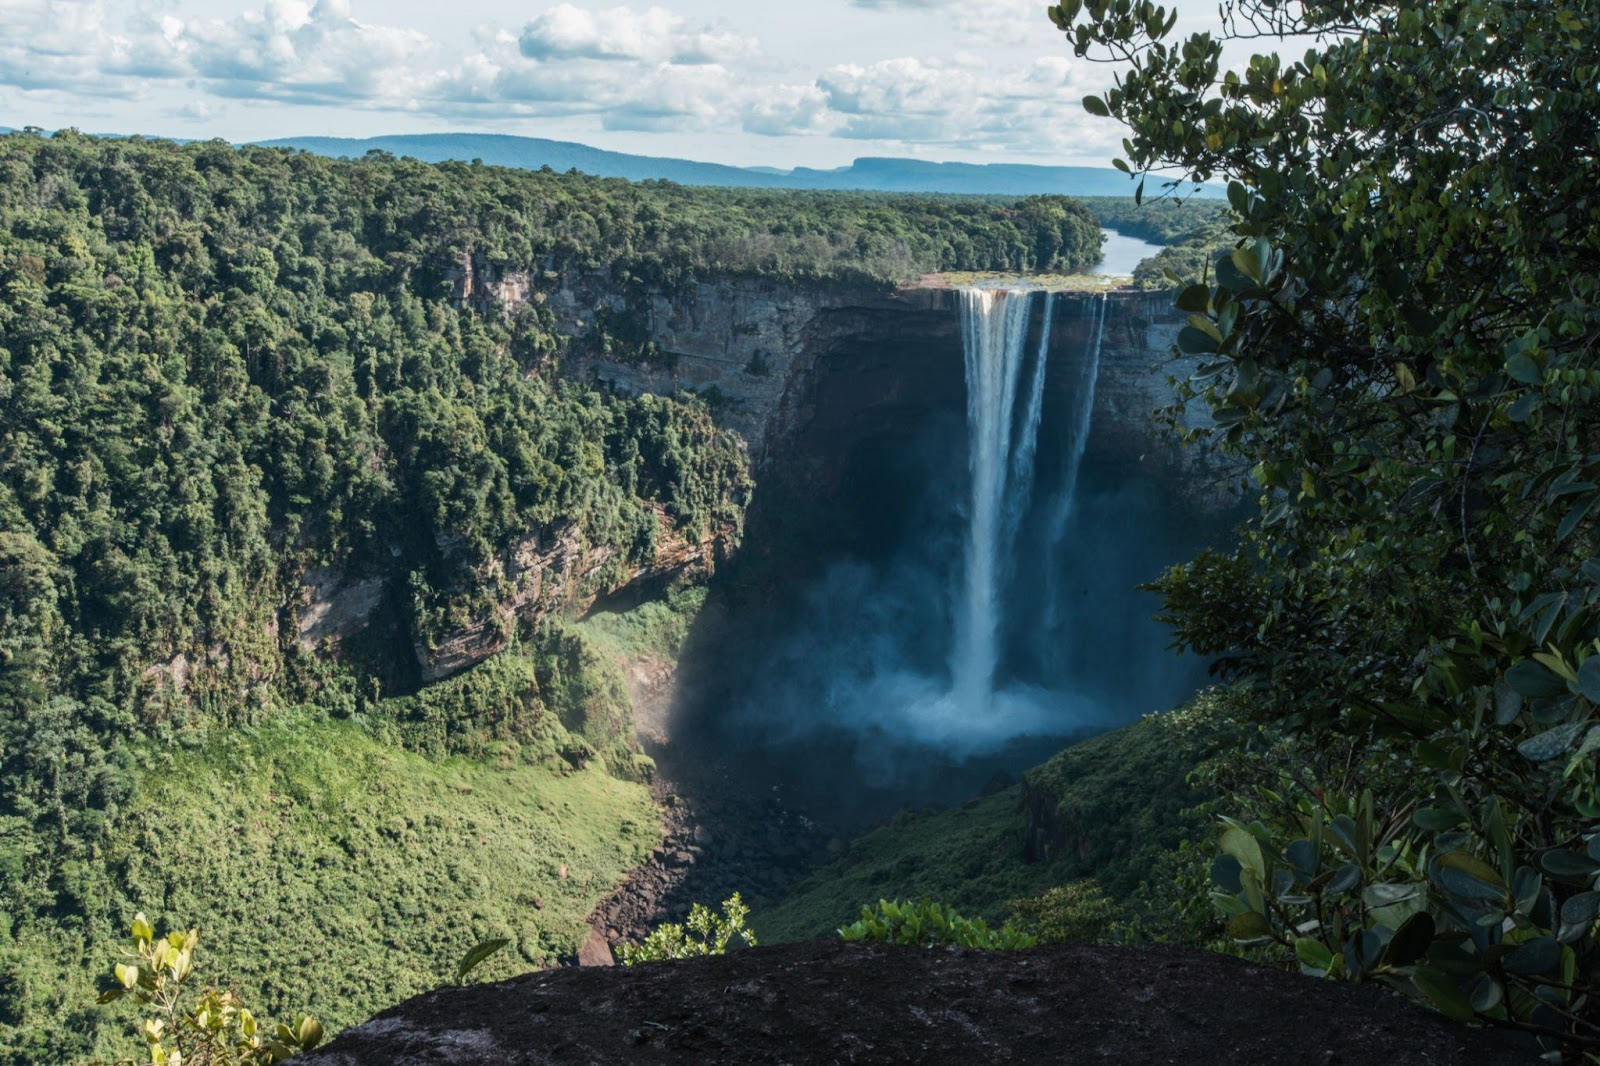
(1404, 348)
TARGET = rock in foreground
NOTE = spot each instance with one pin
(831, 1002)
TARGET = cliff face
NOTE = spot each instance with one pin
(812, 376)
(778, 356)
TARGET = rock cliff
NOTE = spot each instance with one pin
(809, 374)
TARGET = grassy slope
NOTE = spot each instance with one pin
(331, 872)
(1123, 791)
(653, 630)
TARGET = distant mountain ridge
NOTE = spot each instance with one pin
(870, 174)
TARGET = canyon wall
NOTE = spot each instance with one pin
(813, 376)
(775, 357)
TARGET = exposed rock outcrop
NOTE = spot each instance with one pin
(334, 607)
(806, 373)
(831, 1002)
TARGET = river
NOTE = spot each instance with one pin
(1122, 254)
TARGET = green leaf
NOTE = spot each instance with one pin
(1578, 916)
(1225, 873)
(1552, 743)
(1533, 680)
(476, 957)
(1469, 877)
(1568, 865)
(1591, 744)
(1247, 263)
(1487, 994)
(1589, 678)
(1346, 878)
(1249, 926)
(1246, 849)
(1096, 106)
(1313, 954)
(1507, 703)
(1411, 941)
(1522, 368)
(310, 1033)
(1193, 342)
(1441, 991)
(1239, 199)
(1195, 299)
(1541, 955)
(1436, 819)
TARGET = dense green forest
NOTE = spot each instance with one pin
(224, 370)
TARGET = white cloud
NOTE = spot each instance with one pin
(289, 50)
(1034, 107)
(654, 35)
(618, 68)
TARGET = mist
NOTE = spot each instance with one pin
(850, 687)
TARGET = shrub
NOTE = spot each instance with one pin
(184, 1028)
(705, 933)
(1075, 913)
(930, 925)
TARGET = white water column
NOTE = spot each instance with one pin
(1002, 443)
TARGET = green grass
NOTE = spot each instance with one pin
(969, 857)
(653, 630)
(334, 873)
(1120, 801)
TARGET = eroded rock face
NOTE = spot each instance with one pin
(756, 342)
(334, 607)
(831, 1002)
(777, 354)
(550, 571)
(808, 374)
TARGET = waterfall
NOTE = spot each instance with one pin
(1077, 440)
(1000, 455)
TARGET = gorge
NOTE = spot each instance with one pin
(352, 539)
(893, 629)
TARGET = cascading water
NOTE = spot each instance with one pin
(1001, 450)
(1009, 662)
(1077, 440)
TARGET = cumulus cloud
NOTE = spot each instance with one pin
(654, 35)
(289, 50)
(621, 68)
(1030, 108)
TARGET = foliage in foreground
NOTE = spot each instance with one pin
(706, 932)
(189, 1027)
(926, 924)
(1402, 346)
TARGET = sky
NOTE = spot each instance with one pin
(746, 82)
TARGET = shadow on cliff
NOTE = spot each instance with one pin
(820, 664)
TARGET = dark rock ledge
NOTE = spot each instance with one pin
(831, 1002)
